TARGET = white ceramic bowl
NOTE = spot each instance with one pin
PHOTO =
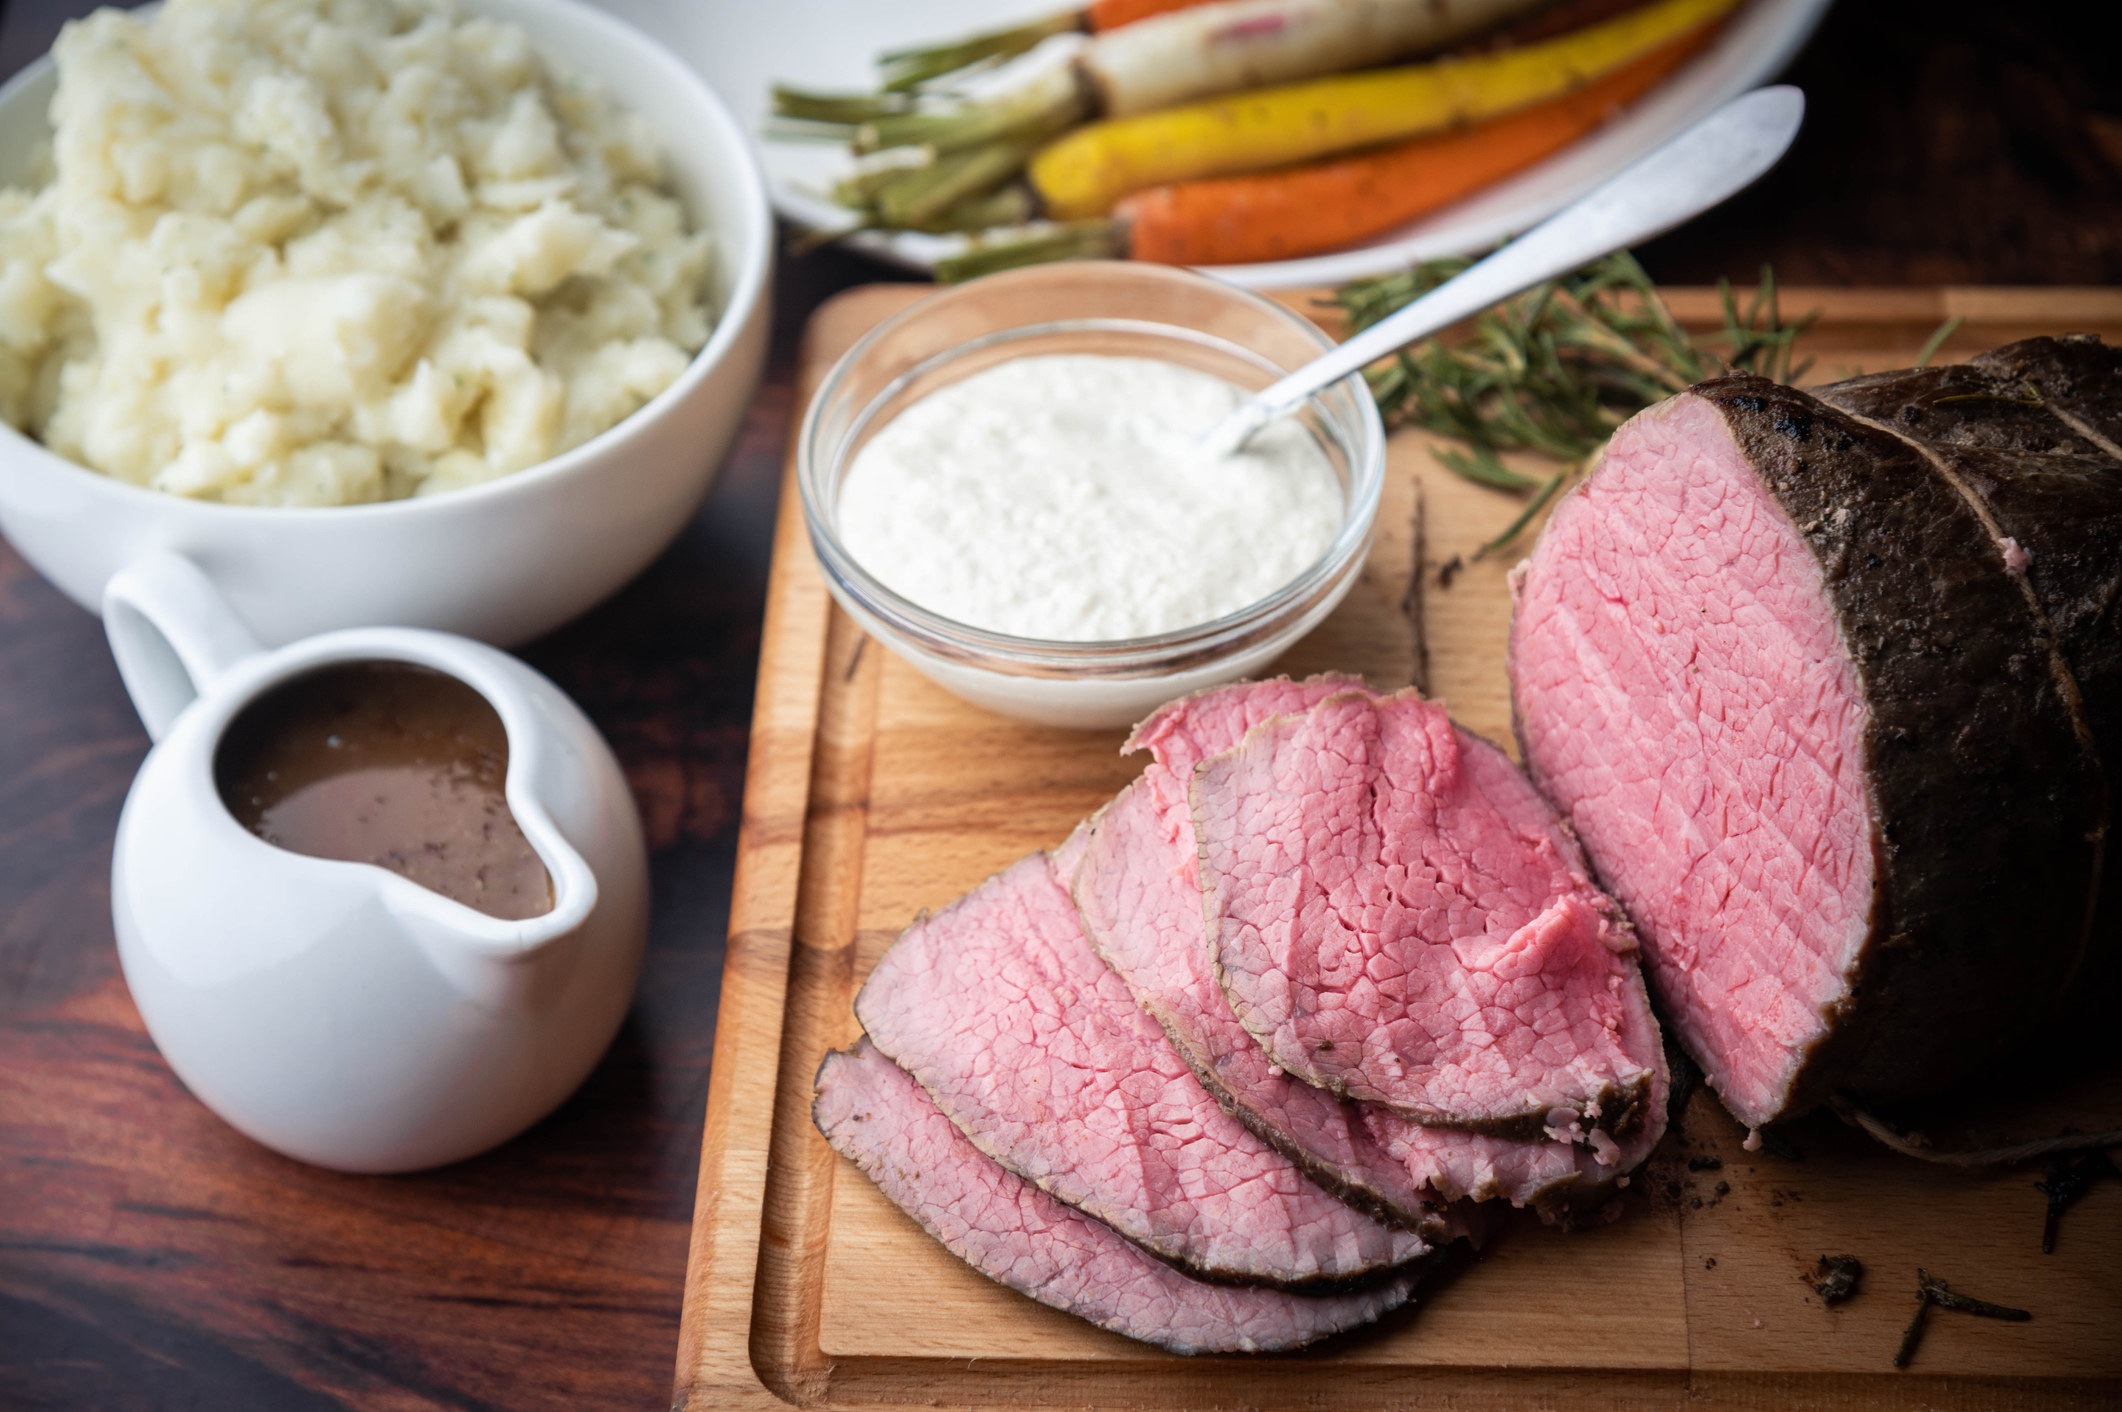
(1087, 306)
(503, 561)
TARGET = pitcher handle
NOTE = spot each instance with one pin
(173, 635)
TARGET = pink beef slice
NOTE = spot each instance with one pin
(1779, 677)
(1396, 915)
(874, 1114)
(999, 1007)
(1139, 895)
(1570, 1181)
(1141, 906)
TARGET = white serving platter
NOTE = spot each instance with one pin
(743, 46)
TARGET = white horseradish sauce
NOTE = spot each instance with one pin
(1059, 496)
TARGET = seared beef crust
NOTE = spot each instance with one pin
(1988, 807)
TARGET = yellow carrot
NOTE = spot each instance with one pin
(1295, 211)
(1085, 172)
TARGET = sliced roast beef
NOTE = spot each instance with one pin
(1139, 895)
(873, 1113)
(1181, 734)
(1568, 1179)
(1396, 915)
(1784, 683)
(999, 1007)
(1137, 891)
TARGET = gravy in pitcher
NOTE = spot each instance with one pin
(386, 763)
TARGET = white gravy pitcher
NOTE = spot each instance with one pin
(338, 1012)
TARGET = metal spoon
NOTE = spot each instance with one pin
(1715, 159)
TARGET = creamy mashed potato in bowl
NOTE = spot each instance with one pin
(375, 356)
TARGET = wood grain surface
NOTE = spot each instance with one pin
(874, 795)
(149, 1258)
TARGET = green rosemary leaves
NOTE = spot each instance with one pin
(1557, 368)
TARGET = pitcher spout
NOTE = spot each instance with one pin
(496, 962)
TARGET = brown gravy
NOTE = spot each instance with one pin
(391, 764)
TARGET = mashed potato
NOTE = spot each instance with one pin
(320, 252)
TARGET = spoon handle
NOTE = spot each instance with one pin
(1713, 160)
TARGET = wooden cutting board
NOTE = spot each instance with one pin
(873, 795)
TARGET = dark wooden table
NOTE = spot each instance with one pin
(152, 1258)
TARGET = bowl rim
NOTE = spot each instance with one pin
(753, 226)
(924, 629)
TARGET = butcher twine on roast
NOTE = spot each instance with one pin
(1395, 916)
(1138, 891)
(999, 1007)
(2019, 432)
(1792, 693)
(874, 1114)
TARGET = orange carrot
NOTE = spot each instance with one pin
(1303, 210)
(1111, 14)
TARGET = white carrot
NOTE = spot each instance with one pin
(1179, 56)
(1212, 49)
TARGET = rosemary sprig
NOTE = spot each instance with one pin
(2063, 1183)
(1930, 1291)
(1760, 341)
(1525, 516)
(2033, 397)
(1556, 369)
(1937, 339)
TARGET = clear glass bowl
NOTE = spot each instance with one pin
(1108, 307)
